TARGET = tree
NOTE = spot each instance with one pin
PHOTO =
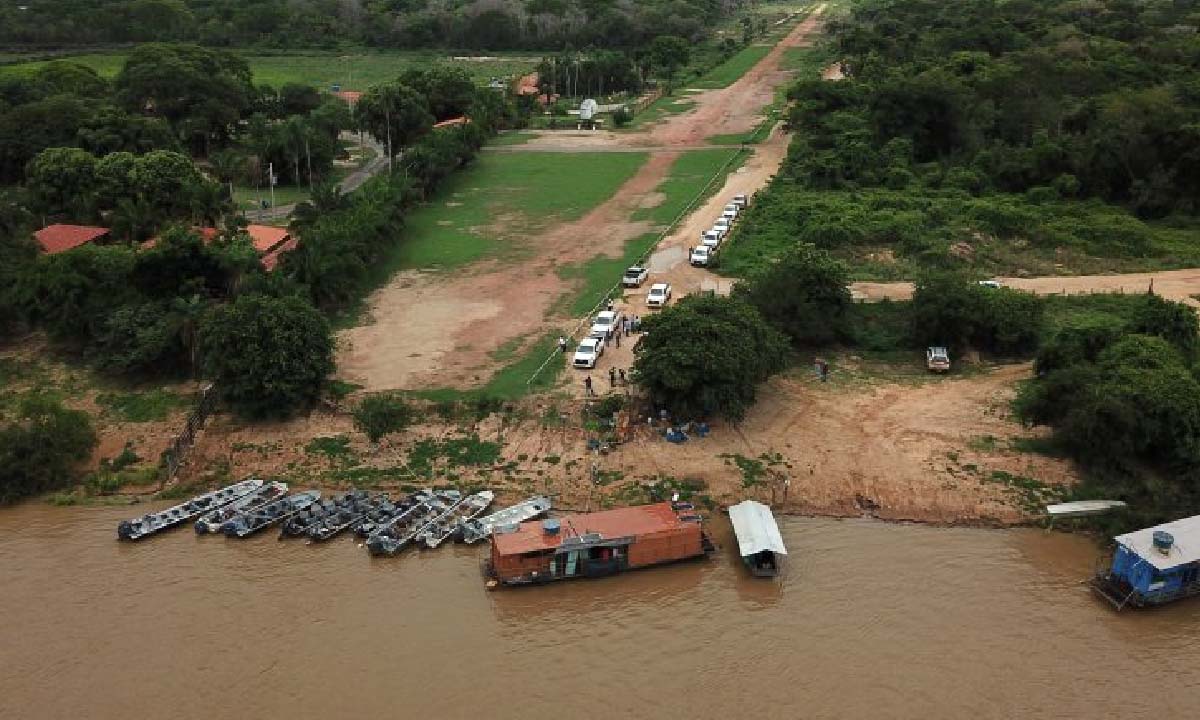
(804, 295)
(202, 93)
(448, 90)
(39, 451)
(62, 181)
(668, 54)
(395, 115)
(269, 356)
(380, 415)
(706, 355)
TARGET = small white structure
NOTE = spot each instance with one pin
(587, 114)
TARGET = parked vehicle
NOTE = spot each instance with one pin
(733, 208)
(722, 223)
(937, 359)
(991, 283)
(659, 295)
(712, 241)
(729, 215)
(635, 276)
(588, 352)
(720, 231)
(741, 200)
(700, 255)
(152, 523)
(605, 324)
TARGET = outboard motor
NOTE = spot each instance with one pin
(1163, 541)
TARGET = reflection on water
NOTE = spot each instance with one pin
(868, 620)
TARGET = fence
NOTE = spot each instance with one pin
(645, 101)
(687, 210)
(173, 456)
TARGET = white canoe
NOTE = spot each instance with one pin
(1083, 508)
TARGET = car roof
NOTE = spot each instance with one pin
(634, 268)
(659, 286)
(937, 350)
(606, 313)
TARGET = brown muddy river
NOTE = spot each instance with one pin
(870, 621)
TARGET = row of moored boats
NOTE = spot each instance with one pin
(425, 518)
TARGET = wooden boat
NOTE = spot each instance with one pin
(388, 512)
(298, 525)
(347, 517)
(247, 524)
(404, 529)
(481, 528)
(211, 522)
(1083, 508)
(446, 525)
(152, 523)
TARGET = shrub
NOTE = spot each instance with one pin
(621, 117)
(803, 295)
(380, 415)
(39, 451)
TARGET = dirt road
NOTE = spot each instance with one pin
(1178, 285)
(430, 330)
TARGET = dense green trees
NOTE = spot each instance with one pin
(705, 356)
(952, 310)
(269, 356)
(500, 25)
(395, 114)
(804, 295)
(41, 446)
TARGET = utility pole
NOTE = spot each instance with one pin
(271, 182)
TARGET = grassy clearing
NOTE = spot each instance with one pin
(512, 138)
(509, 382)
(692, 173)
(139, 407)
(493, 207)
(729, 71)
(660, 108)
(319, 69)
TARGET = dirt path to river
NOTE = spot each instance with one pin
(434, 330)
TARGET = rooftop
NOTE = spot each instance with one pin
(271, 259)
(59, 238)
(266, 238)
(1185, 550)
(622, 522)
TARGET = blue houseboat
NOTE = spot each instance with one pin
(1153, 566)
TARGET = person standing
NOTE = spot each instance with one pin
(587, 387)
(618, 337)
(612, 377)
(609, 307)
(562, 344)
(621, 372)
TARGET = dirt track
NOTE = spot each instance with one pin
(1179, 285)
(462, 321)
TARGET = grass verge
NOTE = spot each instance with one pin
(736, 66)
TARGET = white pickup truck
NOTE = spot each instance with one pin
(589, 351)
(635, 276)
(741, 200)
(604, 324)
(660, 294)
(700, 256)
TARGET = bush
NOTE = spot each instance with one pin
(622, 117)
(268, 356)
(38, 452)
(803, 295)
(950, 309)
(380, 415)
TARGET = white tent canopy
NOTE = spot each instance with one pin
(755, 528)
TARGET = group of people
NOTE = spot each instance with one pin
(616, 376)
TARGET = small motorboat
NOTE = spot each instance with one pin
(1083, 508)
(152, 523)
(248, 523)
(404, 529)
(387, 512)
(298, 524)
(211, 522)
(447, 524)
(481, 528)
(347, 517)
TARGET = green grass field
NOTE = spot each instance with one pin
(729, 71)
(350, 70)
(494, 206)
(694, 173)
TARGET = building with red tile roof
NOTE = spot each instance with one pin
(59, 238)
(271, 260)
(266, 238)
(349, 96)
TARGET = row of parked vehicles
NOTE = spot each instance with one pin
(710, 240)
(608, 322)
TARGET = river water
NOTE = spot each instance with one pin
(870, 620)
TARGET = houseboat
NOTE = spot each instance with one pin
(759, 542)
(595, 544)
(1153, 566)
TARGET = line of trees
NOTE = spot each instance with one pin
(468, 24)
